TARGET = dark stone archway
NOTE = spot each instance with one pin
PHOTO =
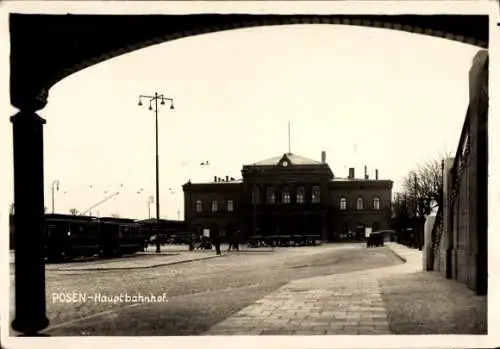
(47, 48)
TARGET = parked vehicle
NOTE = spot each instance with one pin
(375, 239)
(203, 243)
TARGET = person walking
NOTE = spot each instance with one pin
(215, 237)
(236, 240)
(192, 239)
(229, 239)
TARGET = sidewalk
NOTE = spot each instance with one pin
(399, 299)
(148, 260)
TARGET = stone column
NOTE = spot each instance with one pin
(30, 315)
(428, 260)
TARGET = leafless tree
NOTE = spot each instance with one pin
(424, 187)
(422, 194)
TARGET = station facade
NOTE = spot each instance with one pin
(290, 195)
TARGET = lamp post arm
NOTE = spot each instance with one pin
(151, 98)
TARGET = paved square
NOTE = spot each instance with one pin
(330, 305)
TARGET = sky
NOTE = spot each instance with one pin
(385, 99)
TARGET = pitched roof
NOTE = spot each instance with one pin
(293, 159)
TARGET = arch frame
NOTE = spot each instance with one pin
(42, 54)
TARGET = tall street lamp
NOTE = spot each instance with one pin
(157, 97)
(55, 185)
(172, 192)
(151, 200)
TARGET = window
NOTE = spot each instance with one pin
(343, 204)
(230, 206)
(315, 198)
(271, 197)
(359, 204)
(255, 196)
(285, 196)
(215, 205)
(199, 205)
(301, 193)
(376, 203)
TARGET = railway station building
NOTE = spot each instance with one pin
(290, 195)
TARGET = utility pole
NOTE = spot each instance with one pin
(418, 213)
(55, 185)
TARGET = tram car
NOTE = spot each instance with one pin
(69, 237)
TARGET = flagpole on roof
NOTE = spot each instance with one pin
(289, 142)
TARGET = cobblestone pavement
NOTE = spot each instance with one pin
(331, 289)
(201, 293)
(398, 299)
(350, 306)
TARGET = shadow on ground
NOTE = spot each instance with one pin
(426, 303)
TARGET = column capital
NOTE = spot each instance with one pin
(28, 98)
(27, 117)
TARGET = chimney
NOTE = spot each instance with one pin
(366, 172)
(227, 178)
(323, 157)
(351, 173)
(376, 174)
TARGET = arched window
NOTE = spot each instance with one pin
(271, 196)
(376, 203)
(343, 203)
(215, 205)
(359, 204)
(199, 205)
(301, 195)
(255, 196)
(229, 206)
(316, 192)
(285, 195)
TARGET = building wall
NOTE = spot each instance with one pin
(207, 193)
(461, 252)
(350, 219)
(245, 216)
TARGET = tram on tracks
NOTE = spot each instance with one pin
(69, 236)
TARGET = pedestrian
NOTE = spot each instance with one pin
(158, 243)
(229, 238)
(236, 242)
(191, 242)
(217, 246)
(214, 236)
